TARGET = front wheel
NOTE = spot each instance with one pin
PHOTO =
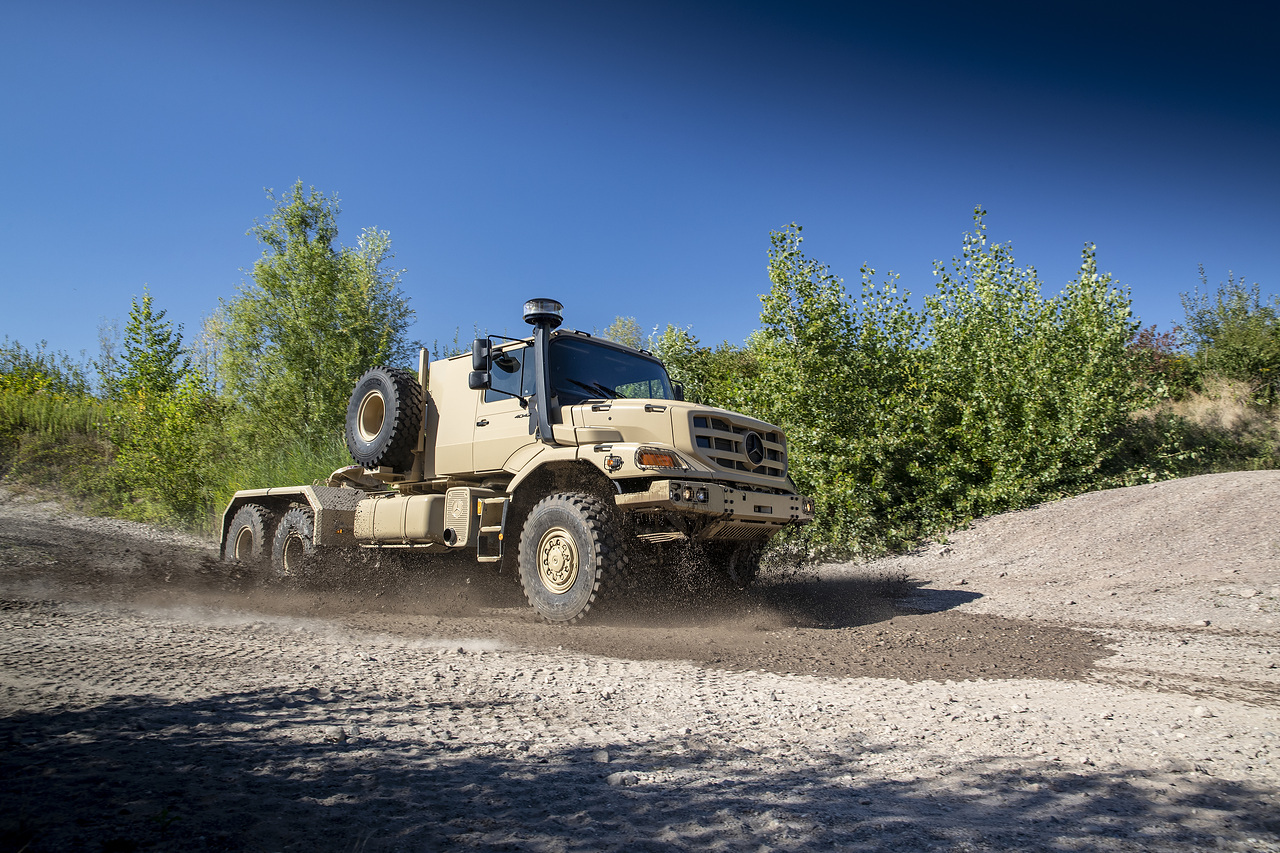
(570, 551)
(293, 552)
(740, 561)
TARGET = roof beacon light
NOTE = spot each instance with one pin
(543, 311)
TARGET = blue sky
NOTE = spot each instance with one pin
(629, 158)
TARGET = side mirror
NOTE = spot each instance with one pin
(478, 379)
(481, 353)
(677, 389)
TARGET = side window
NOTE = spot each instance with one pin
(507, 375)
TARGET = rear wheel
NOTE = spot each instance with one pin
(249, 535)
(293, 552)
(570, 551)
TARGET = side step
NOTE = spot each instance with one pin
(493, 520)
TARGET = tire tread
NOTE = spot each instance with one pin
(611, 560)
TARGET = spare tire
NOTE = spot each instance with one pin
(384, 417)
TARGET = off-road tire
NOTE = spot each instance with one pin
(739, 562)
(744, 564)
(384, 416)
(249, 536)
(571, 551)
(293, 550)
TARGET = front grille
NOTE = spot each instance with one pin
(725, 443)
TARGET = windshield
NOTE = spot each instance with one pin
(582, 370)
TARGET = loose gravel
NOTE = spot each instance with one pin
(152, 698)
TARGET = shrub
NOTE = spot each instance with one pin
(1235, 333)
(169, 445)
(903, 422)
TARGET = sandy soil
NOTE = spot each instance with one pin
(1099, 674)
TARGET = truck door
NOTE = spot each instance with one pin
(502, 424)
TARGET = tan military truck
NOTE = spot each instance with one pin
(563, 455)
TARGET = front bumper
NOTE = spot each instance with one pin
(715, 500)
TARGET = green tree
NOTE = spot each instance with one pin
(314, 317)
(626, 331)
(711, 376)
(168, 424)
(1235, 333)
(152, 361)
(1027, 393)
(838, 373)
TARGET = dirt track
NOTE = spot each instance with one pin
(151, 699)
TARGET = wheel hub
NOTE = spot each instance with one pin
(294, 549)
(371, 415)
(558, 560)
(243, 547)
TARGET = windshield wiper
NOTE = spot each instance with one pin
(595, 388)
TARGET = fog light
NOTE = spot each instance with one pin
(701, 496)
(675, 492)
(808, 506)
(688, 493)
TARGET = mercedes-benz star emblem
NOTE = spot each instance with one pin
(754, 447)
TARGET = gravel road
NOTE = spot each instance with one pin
(1097, 674)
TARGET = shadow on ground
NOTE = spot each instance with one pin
(235, 773)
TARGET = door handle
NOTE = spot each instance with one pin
(484, 422)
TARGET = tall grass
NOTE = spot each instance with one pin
(54, 414)
(1211, 431)
(65, 441)
(52, 440)
(1227, 406)
(294, 463)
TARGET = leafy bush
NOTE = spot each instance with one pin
(168, 446)
(1235, 333)
(904, 421)
(23, 371)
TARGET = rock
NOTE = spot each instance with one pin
(1202, 712)
(335, 734)
(622, 779)
(1248, 593)
(1203, 623)
(600, 756)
